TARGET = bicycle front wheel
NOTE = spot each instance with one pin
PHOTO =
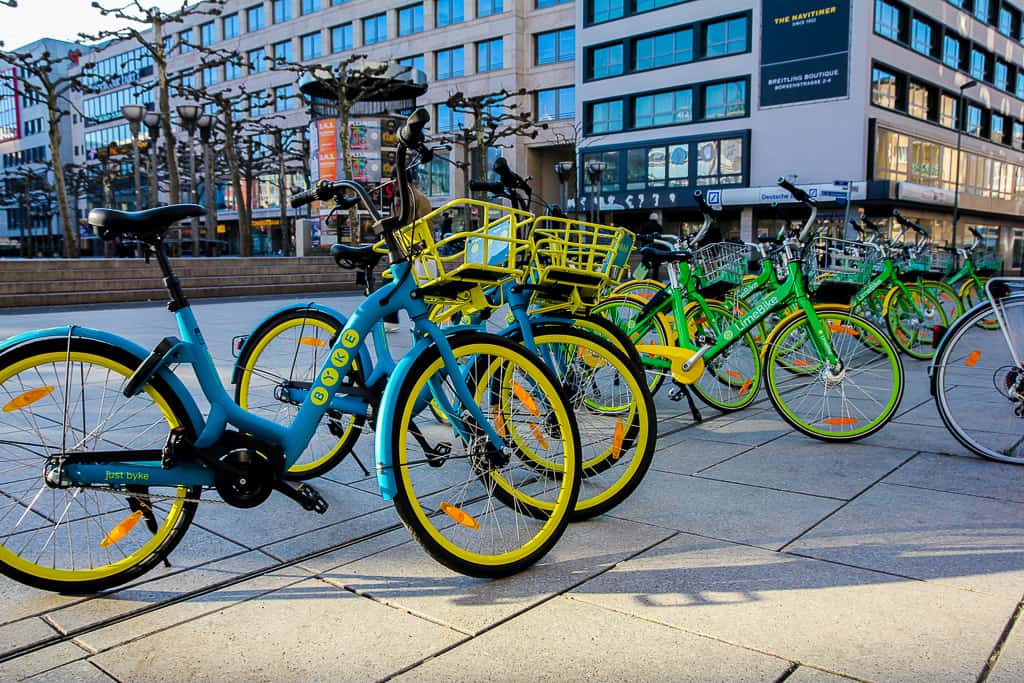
(834, 403)
(478, 510)
(978, 386)
(731, 379)
(972, 294)
(284, 355)
(65, 396)
(915, 319)
(625, 312)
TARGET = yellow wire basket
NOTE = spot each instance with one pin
(574, 257)
(450, 268)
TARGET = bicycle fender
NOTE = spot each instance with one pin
(115, 340)
(889, 296)
(383, 446)
(236, 372)
(825, 308)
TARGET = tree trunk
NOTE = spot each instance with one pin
(210, 190)
(174, 189)
(68, 227)
(344, 115)
(244, 227)
(282, 194)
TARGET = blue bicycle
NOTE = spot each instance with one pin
(104, 453)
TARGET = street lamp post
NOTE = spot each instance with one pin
(133, 115)
(151, 119)
(595, 172)
(961, 116)
(189, 114)
(205, 125)
(563, 169)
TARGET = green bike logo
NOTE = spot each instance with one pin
(758, 311)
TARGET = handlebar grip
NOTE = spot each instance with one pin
(976, 233)
(411, 134)
(701, 202)
(486, 186)
(908, 223)
(303, 198)
(798, 193)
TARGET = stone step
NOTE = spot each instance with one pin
(61, 270)
(117, 282)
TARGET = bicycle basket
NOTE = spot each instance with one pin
(985, 261)
(571, 254)
(832, 260)
(942, 260)
(444, 270)
(721, 262)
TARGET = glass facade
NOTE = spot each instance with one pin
(556, 103)
(555, 46)
(107, 107)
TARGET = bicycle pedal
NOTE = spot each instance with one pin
(305, 495)
(675, 393)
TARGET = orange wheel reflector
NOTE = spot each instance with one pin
(499, 425)
(539, 435)
(903, 337)
(618, 438)
(973, 359)
(802, 363)
(700, 321)
(525, 398)
(28, 398)
(460, 516)
(843, 329)
(121, 530)
(312, 341)
(746, 387)
(841, 421)
(733, 374)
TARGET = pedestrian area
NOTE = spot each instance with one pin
(748, 553)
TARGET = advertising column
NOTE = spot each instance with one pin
(805, 51)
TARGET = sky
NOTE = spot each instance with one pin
(63, 19)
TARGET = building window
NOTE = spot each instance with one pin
(490, 55)
(185, 41)
(556, 103)
(257, 104)
(947, 111)
(230, 26)
(1019, 90)
(413, 62)
(283, 52)
(981, 10)
(556, 46)
(1005, 22)
(887, 20)
(450, 63)
(312, 46)
(663, 109)
(211, 76)
(254, 20)
(720, 162)
(606, 10)
(951, 52)
(1018, 134)
(541, 4)
(606, 61)
(341, 38)
(485, 8)
(282, 11)
(309, 6)
(997, 127)
(921, 37)
(606, 117)
(978, 64)
(284, 98)
(436, 178)
(883, 89)
(448, 120)
(665, 49)
(725, 37)
(232, 70)
(207, 34)
(410, 20)
(1001, 76)
(724, 100)
(917, 103)
(973, 126)
(449, 12)
(257, 60)
(375, 29)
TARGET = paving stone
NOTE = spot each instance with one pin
(408, 578)
(918, 437)
(923, 413)
(75, 672)
(307, 631)
(805, 674)
(844, 619)
(796, 463)
(682, 454)
(20, 601)
(975, 476)
(27, 632)
(141, 596)
(752, 430)
(640, 651)
(735, 512)
(964, 541)
(1009, 667)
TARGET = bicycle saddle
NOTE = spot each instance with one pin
(145, 225)
(351, 257)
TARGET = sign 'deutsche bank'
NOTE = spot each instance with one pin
(805, 51)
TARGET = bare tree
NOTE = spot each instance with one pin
(39, 82)
(149, 28)
(496, 117)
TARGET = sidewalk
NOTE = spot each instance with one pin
(749, 553)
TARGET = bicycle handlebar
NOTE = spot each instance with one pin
(909, 224)
(798, 193)
(486, 186)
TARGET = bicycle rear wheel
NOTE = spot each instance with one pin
(915, 319)
(624, 312)
(834, 404)
(65, 396)
(732, 379)
(979, 387)
(479, 511)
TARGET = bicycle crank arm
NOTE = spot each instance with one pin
(687, 365)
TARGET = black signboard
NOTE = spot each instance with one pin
(805, 50)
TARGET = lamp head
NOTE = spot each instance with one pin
(132, 112)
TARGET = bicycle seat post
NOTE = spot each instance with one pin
(171, 282)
